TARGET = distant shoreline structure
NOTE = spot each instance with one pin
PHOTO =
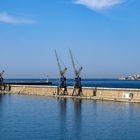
(131, 77)
(30, 83)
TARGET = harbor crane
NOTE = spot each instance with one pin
(1, 79)
(62, 88)
(77, 81)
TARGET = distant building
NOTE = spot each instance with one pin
(133, 77)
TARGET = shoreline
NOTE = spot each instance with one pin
(91, 93)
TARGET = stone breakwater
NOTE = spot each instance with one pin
(112, 94)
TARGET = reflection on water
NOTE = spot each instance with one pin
(67, 119)
(77, 117)
(62, 106)
(1, 97)
(37, 118)
(1, 103)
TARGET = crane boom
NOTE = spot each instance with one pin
(59, 66)
(1, 74)
(62, 72)
(62, 87)
(77, 90)
(72, 60)
(77, 72)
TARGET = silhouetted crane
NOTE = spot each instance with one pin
(77, 81)
(1, 79)
(62, 88)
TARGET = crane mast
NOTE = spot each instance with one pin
(77, 72)
(77, 81)
(62, 72)
(62, 88)
(72, 60)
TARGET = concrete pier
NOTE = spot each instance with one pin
(113, 94)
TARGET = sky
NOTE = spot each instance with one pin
(102, 34)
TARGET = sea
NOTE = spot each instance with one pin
(109, 83)
(24, 117)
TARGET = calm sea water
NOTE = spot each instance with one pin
(46, 118)
(113, 83)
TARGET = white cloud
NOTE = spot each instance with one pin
(99, 4)
(6, 18)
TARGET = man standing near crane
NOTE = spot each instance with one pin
(62, 88)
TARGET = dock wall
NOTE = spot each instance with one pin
(114, 94)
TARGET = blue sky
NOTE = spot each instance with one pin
(103, 36)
